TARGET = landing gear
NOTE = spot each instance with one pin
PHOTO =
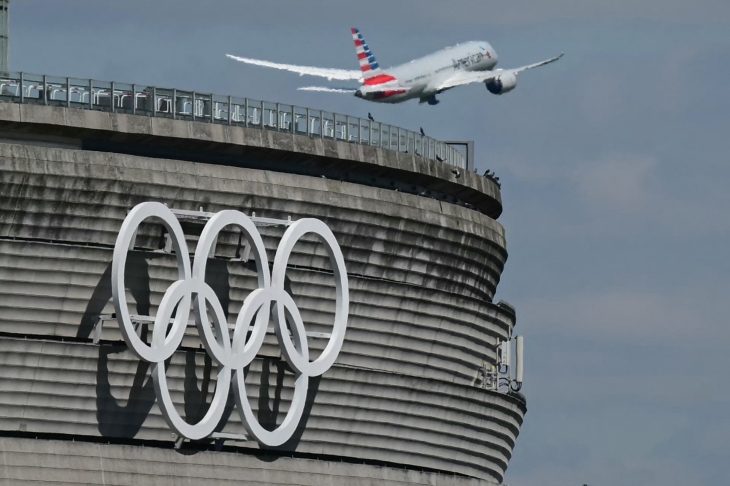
(431, 100)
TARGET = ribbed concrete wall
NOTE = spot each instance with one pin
(58, 290)
(51, 462)
(72, 388)
(73, 196)
(422, 275)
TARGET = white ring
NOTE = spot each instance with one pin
(342, 303)
(125, 238)
(231, 357)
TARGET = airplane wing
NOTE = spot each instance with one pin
(329, 73)
(468, 77)
(328, 90)
(369, 89)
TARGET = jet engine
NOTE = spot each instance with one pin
(502, 83)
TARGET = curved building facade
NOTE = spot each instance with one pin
(400, 405)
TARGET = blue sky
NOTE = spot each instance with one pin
(614, 161)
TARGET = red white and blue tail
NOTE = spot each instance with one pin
(368, 65)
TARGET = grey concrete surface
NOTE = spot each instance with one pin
(87, 390)
(422, 276)
(58, 290)
(77, 124)
(51, 462)
(78, 196)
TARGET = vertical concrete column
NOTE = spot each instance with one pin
(4, 35)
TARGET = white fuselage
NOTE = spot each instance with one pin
(421, 77)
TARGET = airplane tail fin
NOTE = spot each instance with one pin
(368, 65)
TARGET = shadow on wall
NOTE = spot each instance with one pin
(137, 278)
(122, 421)
(124, 418)
(117, 420)
(268, 416)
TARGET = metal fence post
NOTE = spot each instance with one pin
(293, 119)
(154, 101)
(245, 115)
(45, 90)
(193, 105)
(212, 108)
(309, 132)
(111, 98)
(321, 124)
(91, 94)
(230, 110)
(22, 88)
(174, 102)
(134, 99)
(68, 92)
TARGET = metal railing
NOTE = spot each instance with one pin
(135, 99)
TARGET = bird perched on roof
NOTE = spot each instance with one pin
(370, 117)
(456, 173)
(422, 132)
(487, 173)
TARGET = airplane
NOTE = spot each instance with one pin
(423, 78)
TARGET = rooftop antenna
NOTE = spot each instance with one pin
(4, 35)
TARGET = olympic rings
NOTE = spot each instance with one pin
(232, 355)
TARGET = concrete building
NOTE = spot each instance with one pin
(404, 402)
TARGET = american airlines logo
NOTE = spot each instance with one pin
(231, 353)
(468, 60)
